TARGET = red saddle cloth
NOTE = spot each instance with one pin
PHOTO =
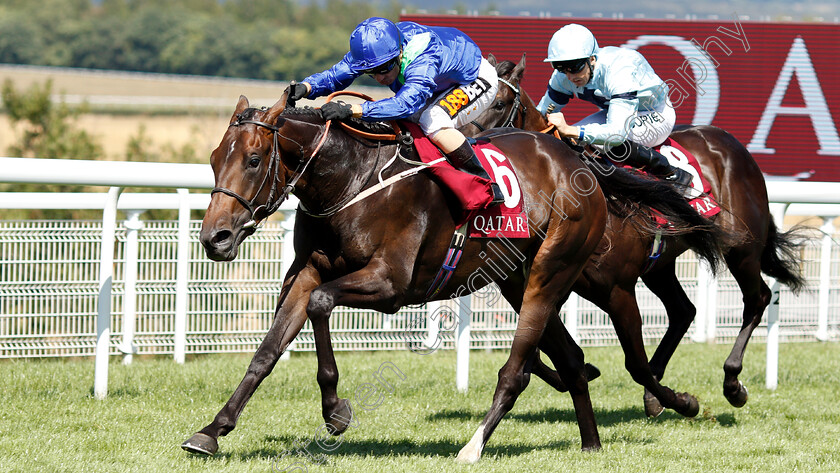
(473, 194)
(700, 195)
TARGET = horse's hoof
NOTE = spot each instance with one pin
(653, 408)
(340, 420)
(693, 406)
(592, 372)
(468, 455)
(201, 444)
(739, 397)
(591, 448)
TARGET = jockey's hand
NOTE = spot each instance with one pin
(336, 110)
(557, 119)
(298, 91)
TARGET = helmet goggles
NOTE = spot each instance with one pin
(570, 67)
(382, 68)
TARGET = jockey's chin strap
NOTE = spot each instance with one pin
(260, 212)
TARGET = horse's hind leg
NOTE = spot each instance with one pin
(624, 313)
(513, 377)
(664, 284)
(746, 268)
(288, 320)
(568, 358)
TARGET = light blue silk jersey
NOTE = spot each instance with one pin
(623, 83)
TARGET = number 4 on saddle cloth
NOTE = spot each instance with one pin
(473, 193)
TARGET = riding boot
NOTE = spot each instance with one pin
(650, 160)
(464, 159)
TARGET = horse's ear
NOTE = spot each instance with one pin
(519, 70)
(277, 108)
(241, 105)
(492, 59)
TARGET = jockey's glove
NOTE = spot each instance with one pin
(336, 110)
(297, 92)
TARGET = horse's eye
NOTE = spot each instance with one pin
(254, 161)
(499, 105)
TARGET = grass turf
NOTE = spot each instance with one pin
(51, 422)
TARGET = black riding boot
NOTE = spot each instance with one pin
(464, 159)
(651, 160)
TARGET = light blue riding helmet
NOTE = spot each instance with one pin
(374, 42)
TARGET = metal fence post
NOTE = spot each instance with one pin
(572, 316)
(133, 224)
(182, 274)
(772, 375)
(287, 257)
(103, 305)
(462, 345)
(825, 279)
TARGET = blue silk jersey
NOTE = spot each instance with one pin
(434, 59)
(623, 83)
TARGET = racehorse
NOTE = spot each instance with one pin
(383, 252)
(609, 281)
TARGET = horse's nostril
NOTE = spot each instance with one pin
(220, 237)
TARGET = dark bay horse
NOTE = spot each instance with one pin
(610, 280)
(383, 252)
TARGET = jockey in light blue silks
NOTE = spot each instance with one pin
(635, 114)
(437, 74)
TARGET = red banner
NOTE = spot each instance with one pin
(774, 86)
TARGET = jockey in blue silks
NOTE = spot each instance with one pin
(438, 76)
(635, 114)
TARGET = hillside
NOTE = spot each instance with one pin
(173, 110)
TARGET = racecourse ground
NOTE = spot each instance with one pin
(51, 422)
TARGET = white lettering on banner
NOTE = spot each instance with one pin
(702, 68)
(489, 225)
(678, 159)
(504, 177)
(798, 62)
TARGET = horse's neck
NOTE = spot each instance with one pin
(534, 120)
(342, 167)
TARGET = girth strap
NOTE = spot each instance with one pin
(453, 255)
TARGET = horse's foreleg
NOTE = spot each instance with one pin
(624, 313)
(665, 285)
(358, 289)
(288, 320)
(746, 271)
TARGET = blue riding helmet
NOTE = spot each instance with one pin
(374, 42)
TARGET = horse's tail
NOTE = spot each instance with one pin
(630, 194)
(781, 256)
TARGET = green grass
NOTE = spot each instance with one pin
(49, 420)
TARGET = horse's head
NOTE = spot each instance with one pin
(512, 107)
(250, 178)
(507, 109)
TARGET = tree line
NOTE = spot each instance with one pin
(258, 39)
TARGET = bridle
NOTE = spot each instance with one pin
(517, 105)
(260, 212)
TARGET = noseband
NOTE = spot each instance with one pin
(260, 212)
(517, 104)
